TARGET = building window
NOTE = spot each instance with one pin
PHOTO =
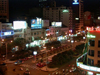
(98, 53)
(37, 33)
(42, 32)
(91, 62)
(91, 43)
(34, 33)
(98, 62)
(99, 43)
(91, 52)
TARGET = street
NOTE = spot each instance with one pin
(34, 70)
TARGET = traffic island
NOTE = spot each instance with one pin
(46, 69)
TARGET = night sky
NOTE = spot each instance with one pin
(89, 5)
(21, 7)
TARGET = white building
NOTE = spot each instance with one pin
(21, 30)
(19, 27)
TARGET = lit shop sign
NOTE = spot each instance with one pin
(91, 36)
(86, 67)
(56, 24)
(98, 17)
(70, 31)
(7, 33)
(75, 2)
(65, 10)
(93, 29)
(76, 18)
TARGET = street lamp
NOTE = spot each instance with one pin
(72, 43)
(35, 53)
(46, 57)
(6, 46)
(51, 48)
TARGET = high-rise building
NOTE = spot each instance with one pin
(47, 3)
(4, 10)
(88, 21)
(58, 14)
(77, 7)
(81, 14)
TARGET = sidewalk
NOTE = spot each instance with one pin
(8, 61)
(48, 69)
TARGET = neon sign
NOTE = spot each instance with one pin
(75, 2)
(93, 29)
(7, 33)
(91, 36)
(86, 67)
(65, 10)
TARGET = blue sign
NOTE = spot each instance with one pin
(36, 24)
(75, 2)
(7, 33)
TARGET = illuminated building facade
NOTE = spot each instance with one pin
(4, 10)
(92, 63)
(38, 34)
(6, 31)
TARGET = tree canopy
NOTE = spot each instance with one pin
(20, 42)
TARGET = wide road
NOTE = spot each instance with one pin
(34, 70)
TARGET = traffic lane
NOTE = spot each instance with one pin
(10, 71)
(18, 71)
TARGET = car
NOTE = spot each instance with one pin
(41, 64)
(72, 69)
(24, 59)
(18, 62)
(27, 72)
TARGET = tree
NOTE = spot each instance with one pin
(83, 28)
(63, 33)
(54, 44)
(20, 42)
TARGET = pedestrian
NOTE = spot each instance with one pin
(14, 69)
(21, 69)
(63, 70)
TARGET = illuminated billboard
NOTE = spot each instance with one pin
(98, 17)
(75, 2)
(36, 23)
(56, 24)
(45, 23)
(7, 33)
(19, 24)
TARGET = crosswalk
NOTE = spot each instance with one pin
(30, 66)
